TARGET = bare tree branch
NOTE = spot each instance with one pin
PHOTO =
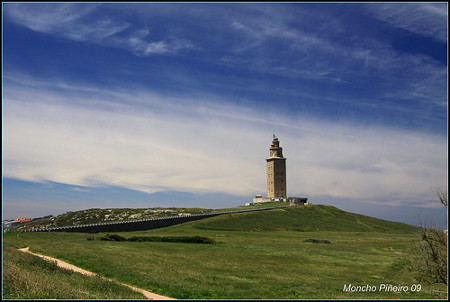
(440, 196)
(429, 254)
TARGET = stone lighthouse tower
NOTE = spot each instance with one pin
(276, 171)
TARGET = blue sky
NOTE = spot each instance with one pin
(174, 104)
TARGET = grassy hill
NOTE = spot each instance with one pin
(123, 214)
(276, 254)
(308, 218)
(109, 215)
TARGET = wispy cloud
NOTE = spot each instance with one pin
(81, 189)
(308, 42)
(193, 146)
(404, 76)
(49, 18)
(80, 22)
(316, 54)
(428, 19)
(98, 32)
(139, 46)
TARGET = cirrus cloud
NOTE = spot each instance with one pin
(190, 145)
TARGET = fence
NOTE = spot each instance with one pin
(140, 225)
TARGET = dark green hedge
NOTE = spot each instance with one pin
(317, 241)
(181, 239)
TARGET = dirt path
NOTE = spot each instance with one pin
(69, 266)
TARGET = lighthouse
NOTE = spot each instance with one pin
(276, 171)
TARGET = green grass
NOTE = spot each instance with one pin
(27, 276)
(259, 255)
(308, 218)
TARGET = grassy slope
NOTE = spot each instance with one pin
(27, 276)
(108, 215)
(305, 219)
(261, 255)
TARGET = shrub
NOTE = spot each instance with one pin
(136, 239)
(429, 257)
(113, 237)
(317, 241)
(195, 239)
(144, 238)
(182, 239)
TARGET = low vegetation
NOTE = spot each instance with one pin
(177, 239)
(317, 240)
(27, 276)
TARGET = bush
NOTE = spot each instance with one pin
(429, 257)
(136, 239)
(193, 239)
(317, 241)
(182, 239)
(113, 237)
(145, 239)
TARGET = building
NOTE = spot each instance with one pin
(259, 199)
(24, 219)
(276, 171)
(276, 178)
(295, 201)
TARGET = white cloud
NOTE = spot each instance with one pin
(150, 150)
(78, 22)
(348, 162)
(81, 189)
(428, 19)
(244, 38)
(152, 143)
(48, 17)
(97, 32)
(315, 53)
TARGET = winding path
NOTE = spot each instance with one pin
(69, 266)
